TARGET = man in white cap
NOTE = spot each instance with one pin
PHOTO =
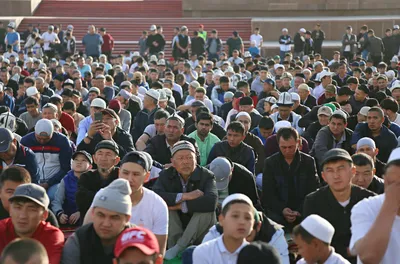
(285, 111)
(325, 78)
(375, 222)
(367, 145)
(155, 41)
(145, 117)
(94, 242)
(299, 43)
(285, 42)
(53, 153)
(191, 194)
(313, 238)
(96, 106)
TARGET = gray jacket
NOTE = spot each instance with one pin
(126, 119)
(375, 46)
(352, 42)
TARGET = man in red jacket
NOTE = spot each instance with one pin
(28, 212)
(108, 43)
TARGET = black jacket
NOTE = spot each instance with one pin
(224, 110)
(256, 143)
(159, 151)
(217, 130)
(89, 184)
(286, 186)
(121, 138)
(299, 43)
(168, 185)
(310, 102)
(311, 132)
(323, 203)
(242, 154)
(377, 185)
(242, 181)
(380, 167)
(142, 120)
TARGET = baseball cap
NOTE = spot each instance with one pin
(256, 251)
(222, 169)
(84, 153)
(139, 157)
(318, 227)
(285, 99)
(110, 112)
(325, 110)
(269, 81)
(107, 144)
(336, 154)
(153, 27)
(98, 102)
(33, 192)
(137, 237)
(44, 127)
(182, 145)
(6, 137)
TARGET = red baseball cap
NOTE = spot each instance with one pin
(138, 237)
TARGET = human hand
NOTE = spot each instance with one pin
(74, 218)
(192, 195)
(63, 219)
(289, 215)
(94, 128)
(105, 132)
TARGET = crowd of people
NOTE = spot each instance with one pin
(217, 155)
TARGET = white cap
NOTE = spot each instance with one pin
(284, 29)
(243, 114)
(274, 106)
(366, 141)
(163, 96)
(229, 70)
(295, 97)
(98, 102)
(364, 110)
(11, 25)
(94, 89)
(285, 99)
(56, 123)
(153, 58)
(324, 73)
(318, 63)
(236, 197)
(280, 124)
(270, 99)
(161, 62)
(153, 94)
(195, 84)
(395, 59)
(153, 27)
(247, 54)
(276, 66)
(395, 85)
(318, 227)
(302, 30)
(31, 91)
(136, 54)
(396, 27)
(1, 87)
(395, 155)
(390, 74)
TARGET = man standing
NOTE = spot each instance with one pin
(191, 194)
(375, 47)
(335, 201)
(257, 38)
(108, 43)
(318, 36)
(198, 44)
(234, 43)
(213, 45)
(375, 221)
(155, 42)
(92, 42)
(284, 43)
(299, 43)
(12, 37)
(288, 177)
(50, 38)
(28, 212)
(94, 243)
(349, 44)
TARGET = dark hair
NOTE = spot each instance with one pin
(363, 159)
(338, 116)
(236, 126)
(30, 81)
(390, 104)
(161, 114)
(22, 250)
(304, 234)
(201, 80)
(266, 122)
(377, 110)
(69, 105)
(15, 173)
(204, 116)
(371, 102)
(224, 79)
(228, 206)
(55, 100)
(32, 100)
(242, 84)
(286, 133)
(392, 163)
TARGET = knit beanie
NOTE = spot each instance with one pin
(115, 197)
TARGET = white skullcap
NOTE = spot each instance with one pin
(319, 228)
(280, 124)
(366, 141)
(243, 114)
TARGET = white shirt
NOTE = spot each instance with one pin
(397, 120)
(318, 91)
(257, 38)
(215, 252)
(334, 258)
(363, 216)
(48, 38)
(151, 212)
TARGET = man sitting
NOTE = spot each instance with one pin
(365, 174)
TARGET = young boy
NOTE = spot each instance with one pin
(237, 220)
(64, 204)
(313, 237)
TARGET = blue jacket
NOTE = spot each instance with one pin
(8, 101)
(25, 157)
(71, 186)
(53, 158)
(256, 131)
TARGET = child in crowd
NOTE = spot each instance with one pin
(64, 204)
(237, 220)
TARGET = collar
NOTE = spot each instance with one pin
(222, 248)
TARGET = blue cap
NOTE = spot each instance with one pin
(269, 81)
(6, 137)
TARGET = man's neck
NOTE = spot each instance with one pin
(137, 196)
(201, 136)
(151, 108)
(108, 242)
(325, 254)
(28, 235)
(377, 132)
(172, 142)
(342, 196)
(104, 173)
(232, 244)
